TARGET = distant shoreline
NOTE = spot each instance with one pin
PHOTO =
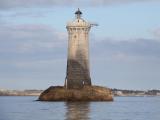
(116, 92)
(20, 92)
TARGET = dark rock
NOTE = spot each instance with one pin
(87, 93)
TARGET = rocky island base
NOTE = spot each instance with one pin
(87, 93)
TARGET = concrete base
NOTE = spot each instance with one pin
(87, 93)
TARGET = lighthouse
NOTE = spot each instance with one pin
(78, 86)
(78, 68)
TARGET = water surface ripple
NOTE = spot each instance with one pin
(123, 108)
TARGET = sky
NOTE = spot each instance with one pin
(124, 48)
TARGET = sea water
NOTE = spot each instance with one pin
(122, 108)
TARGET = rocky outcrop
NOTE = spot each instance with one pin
(87, 93)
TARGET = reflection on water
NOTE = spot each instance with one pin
(123, 108)
(77, 110)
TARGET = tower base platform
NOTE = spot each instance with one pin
(87, 93)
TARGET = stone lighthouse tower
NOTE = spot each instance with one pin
(78, 72)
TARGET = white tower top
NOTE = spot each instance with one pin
(78, 22)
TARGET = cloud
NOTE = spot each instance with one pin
(27, 48)
(25, 13)
(7, 4)
(109, 2)
(26, 40)
(34, 14)
(41, 42)
(156, 32)
(127, 49)
(30, 38)
(38, 64)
